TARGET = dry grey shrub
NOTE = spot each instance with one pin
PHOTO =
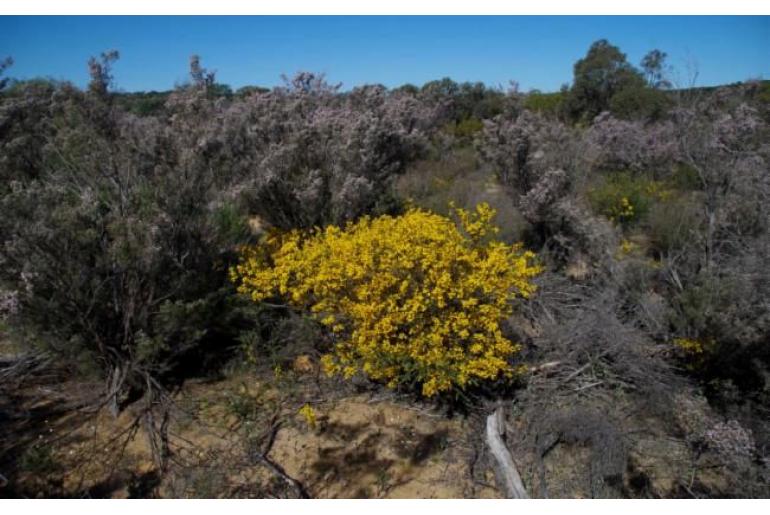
(601, 375)
(541, 161)
(305, 155)
(718, 285)
(521, 149)
(9, 304)
(724, 444)
(25, 122)
(728, 152)
(731, 439)
(613, 144)
(100, 72)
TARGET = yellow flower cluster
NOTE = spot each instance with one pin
(658, 190)
(622, 211)
(627, 247)
(308, 413)
(695, 353)
(690, 346)
(413, 299)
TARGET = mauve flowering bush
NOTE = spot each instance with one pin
(521, 149)
(543, 161)
(117, 229)
(304, 154)
(614, 144)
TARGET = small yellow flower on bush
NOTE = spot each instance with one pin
(308, 412)
(627, 247)
(625, 198)
(689, 346)
(694, 353)
(410, 300)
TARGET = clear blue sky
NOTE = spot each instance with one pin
(538, 52)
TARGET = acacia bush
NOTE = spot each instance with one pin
(414, 300)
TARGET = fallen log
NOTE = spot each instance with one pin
(505, 468)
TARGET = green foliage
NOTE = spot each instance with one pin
(598, 77)
(640, 102)
(460, 102)
(625, 198)
(654, 66)
(673, 225)
(466, 129)
(145, 103)
(684, 177)
(456, 178)
(250, 90)
(230, 222)
(244, 405)
(38, 459)
(278, 336)
(548, 104)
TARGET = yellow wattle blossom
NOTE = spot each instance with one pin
(627, 247)
(308, 412)
(623, 210)
(690, 346)
(414, 299)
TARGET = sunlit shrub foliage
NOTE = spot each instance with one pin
(414, 300)
(625, 198)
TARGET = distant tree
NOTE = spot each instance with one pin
(475, 100)
(143, 103)
(205, 80)
(308, 83)
(4, 65)
(599, 76)
(445, 87)
(100, 72)
(409, 89)
(250, 90)
(442, 93)
(201, 77)
(550, 104)
(640, 102)
(654, 67)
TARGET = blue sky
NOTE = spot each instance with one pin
(538, 52)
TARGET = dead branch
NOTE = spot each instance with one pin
(506, 470)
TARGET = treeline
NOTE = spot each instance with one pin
(603, 80)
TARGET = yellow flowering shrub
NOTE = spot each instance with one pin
(309, 415)
(694, 353)
(413, 299)
(689, 346)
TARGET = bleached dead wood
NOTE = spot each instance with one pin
(505, 468)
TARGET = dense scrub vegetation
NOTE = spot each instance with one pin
(125, 217)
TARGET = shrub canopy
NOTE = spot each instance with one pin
(411, 300)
